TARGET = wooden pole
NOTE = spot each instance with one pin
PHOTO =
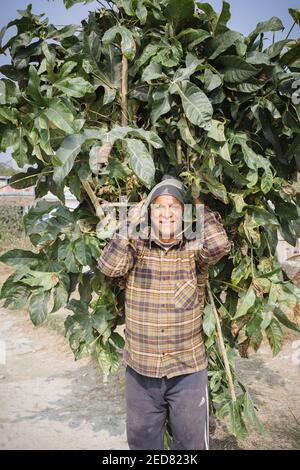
(178, 151)
(99, 211)
(124, 91)
(222, 344)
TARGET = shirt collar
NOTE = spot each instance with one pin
(158, 242)
(150, 241)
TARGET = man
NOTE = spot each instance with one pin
(165, 357)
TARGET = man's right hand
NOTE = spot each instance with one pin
(135, 216)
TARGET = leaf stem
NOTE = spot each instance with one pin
(291, 29)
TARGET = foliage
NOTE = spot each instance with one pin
(209, 104)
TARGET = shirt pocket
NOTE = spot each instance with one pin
(185, 295)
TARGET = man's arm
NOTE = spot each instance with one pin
(120, 254)
(117, 257)
(216, 243)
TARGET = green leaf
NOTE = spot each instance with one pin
(276, 48)
(281, 316)
(196, 105)
(79, 329)
(209, 12)
(236, 69)
(292, 55)
(33, 88)
(169, 54)
(250, 413)
(192, 37)
(273, 24)
(120, 132)
(209, 320)
(127, 42)
(23, 180)
(262, 216)
(216, 132)
(45, 280)
(161, 103)
(117, 339)
(141, 12)
(177, 11)
(93, 244)
(141, 161)
(101, 318)
(74, 86)
(150, 136)
(60, 297)
(222, 42)
(237, 424)
(275, 335)
(241, 271)
(82, 252)
(70, 3)
(223, 18)
(149, 51)
(295, 14)
(152, 72)
(246, 303)
(38, 307)
(266, 182)
(61, 116)
(254, 324)
(15, 138)
(186, 134)
(214, 186)
(65, 32)
(65, 156)
(211, 80)
(16, 294)
(94, 48)
(18, 257)
(108, 358)
(117, 169)
(238, 202)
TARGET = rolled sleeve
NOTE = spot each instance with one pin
(216, 243)
(117, 257)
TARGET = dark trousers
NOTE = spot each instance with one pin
(149, 400)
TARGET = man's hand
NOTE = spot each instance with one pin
(135, 213)
(127, 226)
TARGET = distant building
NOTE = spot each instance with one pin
(25, 198)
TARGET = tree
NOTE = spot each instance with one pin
(141, 88)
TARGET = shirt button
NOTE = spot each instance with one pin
(162, 330)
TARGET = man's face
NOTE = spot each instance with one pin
(166, 217)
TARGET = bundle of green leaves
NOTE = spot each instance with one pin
(141, 88)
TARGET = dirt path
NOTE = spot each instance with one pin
(49, 401)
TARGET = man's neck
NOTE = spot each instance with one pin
(168, 240)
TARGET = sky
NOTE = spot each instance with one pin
(245, 14)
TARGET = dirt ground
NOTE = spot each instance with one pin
(49, 401)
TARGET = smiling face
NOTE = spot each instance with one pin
(166, 217)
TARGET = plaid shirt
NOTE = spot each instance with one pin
(164, 298)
